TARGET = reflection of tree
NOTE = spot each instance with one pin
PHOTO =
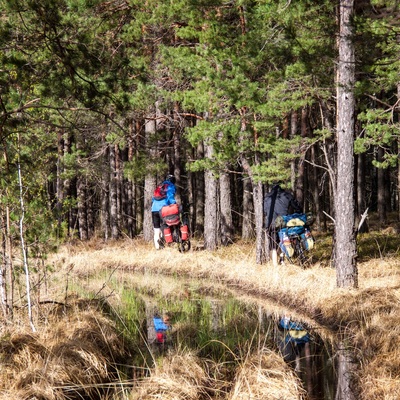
(346, 368)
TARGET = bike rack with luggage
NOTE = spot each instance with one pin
(175, 227)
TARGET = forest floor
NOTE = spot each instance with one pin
(369, 316)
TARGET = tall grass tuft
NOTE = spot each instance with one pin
(266, 376)
(71, 357)
(180, 376)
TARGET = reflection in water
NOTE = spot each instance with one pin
(294, 340)
(227, 331)
(346, 367)
(308, 357)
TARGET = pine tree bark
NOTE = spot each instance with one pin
(199, 196)
(210, 208)
(149, 185)
(381, 190)
(130, 187)
(226, 209)
(105, 194)
(248, 210)
(81, 195)
(81, 200)
(345, 246)
(113, 195)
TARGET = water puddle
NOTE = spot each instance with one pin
(225, 330)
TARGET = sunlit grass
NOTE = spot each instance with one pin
(118, 272)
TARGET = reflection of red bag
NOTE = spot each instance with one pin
(170, 214)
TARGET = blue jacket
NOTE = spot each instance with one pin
(157, 205)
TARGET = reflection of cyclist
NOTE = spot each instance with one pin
(158, 204)
(294, 340)
(277, 202)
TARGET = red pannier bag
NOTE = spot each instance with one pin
(170, 214)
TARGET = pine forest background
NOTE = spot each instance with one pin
(100, 99)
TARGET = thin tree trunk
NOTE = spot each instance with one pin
(345, 246)
(226, 209)
(299, 186)
(381, 190)
(258, 193)
(248, 210)
(130, 189)
(211, 206)
(67, 185)
(113, 195)
(3, 270)
(149, 184)
(199, 193)
(177, 154)
(81, 196)
(59, 186)
(105, 195)
(119, 186)
(23, 250)
(293, 132)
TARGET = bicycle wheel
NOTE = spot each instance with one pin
(176, 234)
(298, 254)
(184, 246)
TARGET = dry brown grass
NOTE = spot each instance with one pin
(266, 376)
(369, 316)
(69, 357)
(180, 376)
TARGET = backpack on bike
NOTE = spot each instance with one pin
(170, 214)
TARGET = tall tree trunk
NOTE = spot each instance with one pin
(248, 210)
(81, 195)
(361, 191)
(177, 172)
(59, 185)
(81, 199)
(381, 190)
(199, 197)
(258, 196)
(293, 132)
(299, 186)
(211, 206)
(398, 150)
(119, 186)
(23, 248)
(3, 269)
(113, 195)
(67, 184)
(345, 247)
(105, 194)
(139, 184)
(226, 209)
(130, 187)
(149, 184)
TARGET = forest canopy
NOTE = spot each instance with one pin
(99, 100)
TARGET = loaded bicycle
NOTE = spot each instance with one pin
(295, 238)
(175, 227)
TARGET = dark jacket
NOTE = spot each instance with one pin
(279, 202)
